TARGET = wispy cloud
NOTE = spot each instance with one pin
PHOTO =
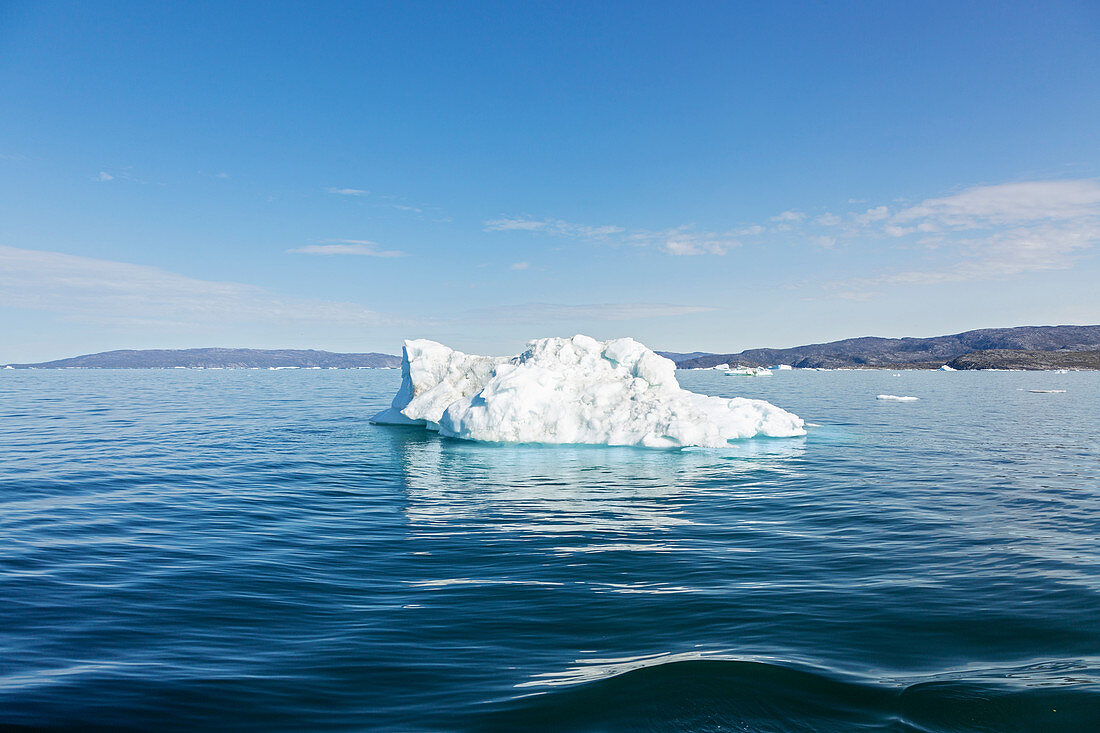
(520, 265)
(979, 233)
(123, 294)
(545, 312)
(1008, 203)
(515, 225)
(360, 247)
(124, 174)
(348, 191)
(682, 240)
(985, 232)
(685, 240)
(556, 227)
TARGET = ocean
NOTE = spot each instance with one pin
(241, 549)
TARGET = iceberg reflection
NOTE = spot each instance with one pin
(575, 491)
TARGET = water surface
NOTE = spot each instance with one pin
(212, 549)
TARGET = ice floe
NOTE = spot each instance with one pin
(744, 371)
(572, 390)
(897, 398)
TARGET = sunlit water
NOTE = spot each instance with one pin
(241, 549)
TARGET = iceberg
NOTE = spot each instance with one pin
(896, 398)
(572, 391)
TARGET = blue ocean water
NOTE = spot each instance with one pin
(241, 549)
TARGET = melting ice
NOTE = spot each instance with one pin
(571, 390)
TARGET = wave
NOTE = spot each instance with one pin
(733, 695)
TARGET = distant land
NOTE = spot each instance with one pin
(1030, 342)
(1023, 359)
(1024, 347)
(218, 358)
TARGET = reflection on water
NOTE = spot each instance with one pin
(625, 497)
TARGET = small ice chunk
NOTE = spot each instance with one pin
(946, 368)
(1047, 391)
(897, 398)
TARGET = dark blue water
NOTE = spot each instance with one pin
(241, 549)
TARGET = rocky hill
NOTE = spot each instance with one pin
(872, 351)
(224, 358)
(1024, 359)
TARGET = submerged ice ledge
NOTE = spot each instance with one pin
(571, 390)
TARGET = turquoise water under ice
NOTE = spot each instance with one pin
(241, 549)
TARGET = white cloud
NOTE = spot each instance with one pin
(520, 265)
(348, 191)
(360, 247)
(789, 217)
(123, 294)
(223, 175)
(872, 215)
(104, 176)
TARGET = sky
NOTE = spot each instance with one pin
(699, 176)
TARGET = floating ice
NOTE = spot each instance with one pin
(1047, 391)
(946, 368)
(741, 371)
(896, 398)
(576, 390)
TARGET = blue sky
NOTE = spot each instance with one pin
(713, 177)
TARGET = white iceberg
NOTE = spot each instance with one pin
(946, 368)
(575, 391)
(896, 398)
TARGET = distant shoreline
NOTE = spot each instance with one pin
(1028, 348)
